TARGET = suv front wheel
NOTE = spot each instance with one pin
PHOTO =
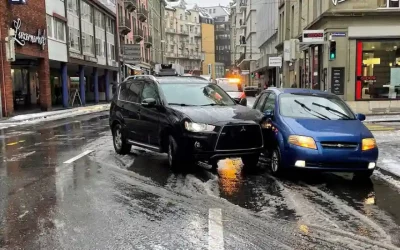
(120, 144)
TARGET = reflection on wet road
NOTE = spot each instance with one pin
(63, 187)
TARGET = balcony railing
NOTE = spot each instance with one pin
(138, 34)
(149, 41)
(130, 5)
(183, 32)
(124, 25)
(171, 30)
(142, 13)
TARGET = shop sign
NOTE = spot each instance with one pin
(90, 59)
(338, 34)
(275, 61)
(366, 78)
(17, 1)
(335, 2)
(132, 53)
(76, 55)
(310, 36)
(21, 37)
(337, 81)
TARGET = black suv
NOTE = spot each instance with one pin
(188, 118)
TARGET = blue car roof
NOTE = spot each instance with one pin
(298, 91)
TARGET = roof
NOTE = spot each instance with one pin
(298, 91)
(182, 80)
(204, 13)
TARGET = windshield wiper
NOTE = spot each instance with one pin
(213, 104)
(179, 104)
(319, 115)
(337, 112)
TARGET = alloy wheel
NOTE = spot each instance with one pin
(274, 162)
(118, 138)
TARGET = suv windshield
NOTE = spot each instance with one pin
(195, 94)
(328, 107)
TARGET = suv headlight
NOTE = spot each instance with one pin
(302, 141)
(368, 143)
(198, 127)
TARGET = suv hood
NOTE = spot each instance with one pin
(219, 115)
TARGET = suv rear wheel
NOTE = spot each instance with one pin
(120, 145)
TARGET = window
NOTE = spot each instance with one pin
(110, 26)
(72, 7)
(99, 19)
(99, 47)
(195, 19)
(388, 4)
(134, 90)
(196, 94)
(150, 91)
(59, 29)
(213, 10)
(86, 12)
(290, 105)
(261, 100)
(123, 92)
(112, 52)
(49, 21)
(88, 44)
(180, 17)
(74, 39)
(378, 69)
(270, 103)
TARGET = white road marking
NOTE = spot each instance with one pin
(23, 215)
(78, 156)
(215, 229)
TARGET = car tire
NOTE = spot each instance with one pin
(119, 141)
(363, 175)
(175, 157)
(251, 162)
(276, 164)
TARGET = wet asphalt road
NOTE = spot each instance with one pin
(106, 201)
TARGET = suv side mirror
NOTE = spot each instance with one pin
(360, 117)
(149, 102)
(269, 114)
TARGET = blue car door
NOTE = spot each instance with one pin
(271, 128)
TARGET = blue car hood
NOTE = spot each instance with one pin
(329, 130)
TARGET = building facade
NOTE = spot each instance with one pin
(266, 73)
(64, 51)
(157, 31)
(207, 43)
(364, 69)
(183, 36)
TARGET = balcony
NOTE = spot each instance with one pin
(149, 41)
(124, 25)
(183, 32)
(197, 34)
(170, 30)
(142, 13)
(138, 35)
(130, 5)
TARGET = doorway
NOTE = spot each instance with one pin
(25, 88)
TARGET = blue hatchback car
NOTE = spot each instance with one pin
(311, 129)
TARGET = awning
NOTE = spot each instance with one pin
(133, 67)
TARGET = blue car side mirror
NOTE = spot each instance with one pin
(360, 117)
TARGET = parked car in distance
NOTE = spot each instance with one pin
(234, 88)
(310, 129)
(251, 90)
(198, 123)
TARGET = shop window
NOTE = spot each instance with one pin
(388, 3)
(378, 70)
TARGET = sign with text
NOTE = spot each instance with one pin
(132, 53)
(17, 1)
(76, 55)
(313, 36)
(337, 81)
(366, 78)
(275, 61)
(21, 37)
(338, 34)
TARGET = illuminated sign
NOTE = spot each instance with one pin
(17, 1)
(21, 37)
(313, 36)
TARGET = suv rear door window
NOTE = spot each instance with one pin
(134, 87)
(123, 92)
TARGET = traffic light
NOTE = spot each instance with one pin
(252, 75)
(332, 50)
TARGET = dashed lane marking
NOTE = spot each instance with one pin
(78, 156)
(374, 127)
(215, 229)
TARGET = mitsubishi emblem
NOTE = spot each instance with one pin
(243, 129)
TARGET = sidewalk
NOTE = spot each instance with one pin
(383, 118)
(51, 115)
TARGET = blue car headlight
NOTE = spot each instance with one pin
(302, 141)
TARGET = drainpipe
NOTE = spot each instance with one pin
(3, 76)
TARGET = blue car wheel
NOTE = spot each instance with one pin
(276, 164)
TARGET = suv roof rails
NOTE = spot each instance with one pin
(142, 76)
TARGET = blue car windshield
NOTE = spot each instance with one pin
(324, 107)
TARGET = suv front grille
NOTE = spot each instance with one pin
(239, 137)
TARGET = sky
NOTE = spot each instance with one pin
(208, 3)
